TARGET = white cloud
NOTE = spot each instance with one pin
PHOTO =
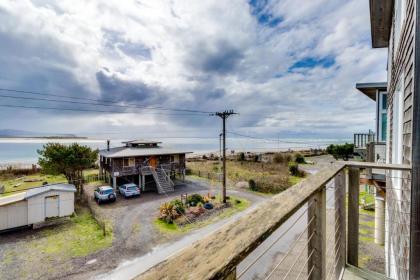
(207, 55)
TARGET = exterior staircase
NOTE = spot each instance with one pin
(164, 184)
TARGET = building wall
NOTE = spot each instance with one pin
(400, 69)
(14, 215)
(36, 205)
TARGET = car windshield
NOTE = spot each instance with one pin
(107, 191)
(132, 188)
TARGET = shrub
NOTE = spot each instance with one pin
(252, 185)
(272, 184)
(278, 158)
(241, 157)
(194, 199)
(295, 171)
(179, 206)
(188, 171)
(299, 158)
(168, 212)
(341, 151)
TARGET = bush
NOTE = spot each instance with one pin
(272, 184)
(341, 151)
(278, 158)
(252, 185)
(194, 199)
(299, 158)
(295, 171)
(179, 206)
(168, 212)
(241, 157)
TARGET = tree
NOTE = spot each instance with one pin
(299, 158)
(343, 151)
(70, 160)
(241, 157)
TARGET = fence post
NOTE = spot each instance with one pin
(353, 217)
(316, 233)
(340, 216)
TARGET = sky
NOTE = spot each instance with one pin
(288, 67)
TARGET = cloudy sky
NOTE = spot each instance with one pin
(288, 67)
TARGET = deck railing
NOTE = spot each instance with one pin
(362, 139)
(326, 242)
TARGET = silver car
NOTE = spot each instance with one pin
(105, 193)
(128, 190)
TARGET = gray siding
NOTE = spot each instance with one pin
(401, 61)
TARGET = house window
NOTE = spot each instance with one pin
(399, 16)
(128, 162)
(382, 115)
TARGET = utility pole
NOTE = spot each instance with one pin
(220, 154)
(224, 115)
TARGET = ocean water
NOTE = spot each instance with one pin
(24, 150)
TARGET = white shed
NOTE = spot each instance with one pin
(35, 205)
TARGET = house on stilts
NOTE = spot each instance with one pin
(145, 163)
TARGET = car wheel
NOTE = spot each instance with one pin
(111, 197)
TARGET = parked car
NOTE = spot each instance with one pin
(105, 193)
(128, 190)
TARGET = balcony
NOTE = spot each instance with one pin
(312, 227)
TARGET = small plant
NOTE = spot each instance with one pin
(252, 185)
(200, 205)
(179, 206)
(299, 158)
(168, 213)
(279, 158)
(241, 157)
(237, 201)
(294, 169)
(194, 199)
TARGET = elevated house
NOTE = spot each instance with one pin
(145, 163)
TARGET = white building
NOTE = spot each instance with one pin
(36, 205)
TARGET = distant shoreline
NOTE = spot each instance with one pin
(43, 137)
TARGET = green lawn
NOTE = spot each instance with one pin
(18, 184)
(80, 237)
(174, 228)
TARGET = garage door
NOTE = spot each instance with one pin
(14, 215)
(51, 206)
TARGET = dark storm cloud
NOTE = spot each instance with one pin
(221, 58)
(116, 89)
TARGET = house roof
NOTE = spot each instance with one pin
(369, 89)
(141, 141)
(36, 191)
(380, 22)
(120, 152)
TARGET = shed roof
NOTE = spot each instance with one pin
(380, 22)
(369, 89)
(36, 191)
(120, 152)
(4, 200)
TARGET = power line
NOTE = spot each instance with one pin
(98, 102)
(98, 111)
(267, 139)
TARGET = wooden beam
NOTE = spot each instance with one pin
(385, 166)
(340, 216)
(317, 232)
(353, 217)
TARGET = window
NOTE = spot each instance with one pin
(383, 126)
(128, 162)
(384, 101)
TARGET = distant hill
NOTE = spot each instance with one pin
(9, 133)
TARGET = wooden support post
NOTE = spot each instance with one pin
(340, 216)
(317, 229)
(114, 183)
(353, 217)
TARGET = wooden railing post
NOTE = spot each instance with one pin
(340, 216)
(316, 233)
(353, 217)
